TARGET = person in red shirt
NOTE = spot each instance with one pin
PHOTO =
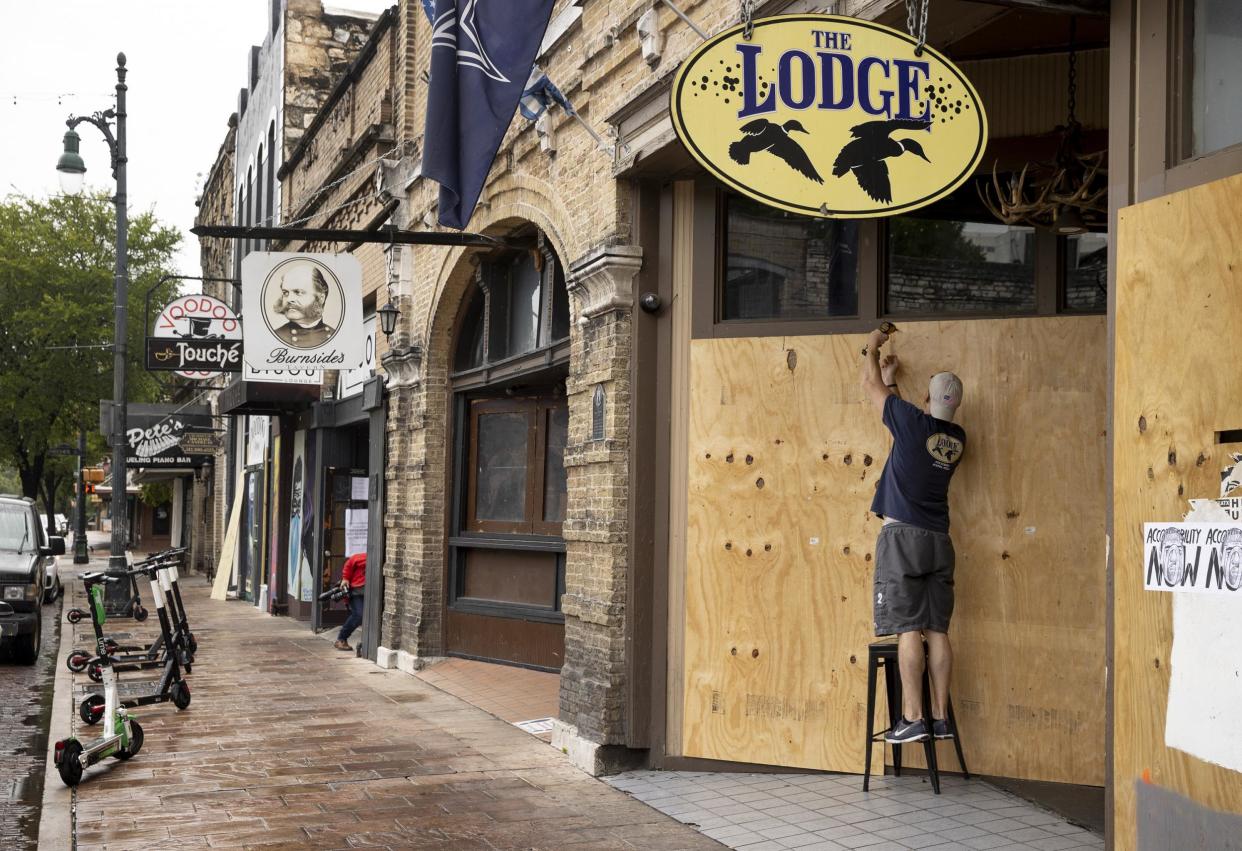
(354, 580)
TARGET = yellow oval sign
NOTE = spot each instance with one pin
(829, 116)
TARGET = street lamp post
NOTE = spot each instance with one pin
(72, 168)
(81, 552)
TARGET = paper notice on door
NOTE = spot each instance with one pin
(358, 488)
(355, 531)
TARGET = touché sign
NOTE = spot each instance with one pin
(829, 116)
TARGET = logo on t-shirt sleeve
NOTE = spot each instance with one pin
(945, 449)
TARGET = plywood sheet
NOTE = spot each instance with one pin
(1179, 311)
(784, 455)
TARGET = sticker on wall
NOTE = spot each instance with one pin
(829, 116)
(1193, 557)
(1205, 677)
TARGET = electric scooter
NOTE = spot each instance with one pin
(141, 656)
(122, 737)
(133, 606)
(171, 685)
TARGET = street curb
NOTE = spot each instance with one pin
(56, 815)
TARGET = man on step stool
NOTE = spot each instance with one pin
(914, 555)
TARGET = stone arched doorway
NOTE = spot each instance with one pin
(510, 424)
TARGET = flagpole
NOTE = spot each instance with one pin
(682, 15)
(603, 146)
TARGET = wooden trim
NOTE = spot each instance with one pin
(1121, 85)
(690, 253)
(661, 582)
(703, 254)
(644, 476)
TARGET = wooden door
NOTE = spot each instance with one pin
(1176, 412)
(508, 556)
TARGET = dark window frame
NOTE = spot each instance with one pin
(1147, 127)
(1180, 93)
(872, 284)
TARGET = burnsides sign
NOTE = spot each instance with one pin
(829, 116)
(197, 337)
(302, 311)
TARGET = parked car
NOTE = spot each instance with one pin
(26, 555)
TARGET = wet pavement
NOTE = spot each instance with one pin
(289, 743)
(25, 709)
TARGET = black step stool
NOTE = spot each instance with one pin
(884, 654)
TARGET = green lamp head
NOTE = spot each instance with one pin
(70, 164)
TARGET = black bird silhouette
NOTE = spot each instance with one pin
(865, 155)
(763, 135)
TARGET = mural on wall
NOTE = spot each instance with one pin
(273, 553)
(306, 582)
(295, 515)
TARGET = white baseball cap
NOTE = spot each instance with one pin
(945, 391)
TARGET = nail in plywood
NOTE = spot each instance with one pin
(1179, 276)
(784, 455)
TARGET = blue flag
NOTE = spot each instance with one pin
(481, 57)
(541, 94)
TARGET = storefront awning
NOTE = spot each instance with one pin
(259, 397)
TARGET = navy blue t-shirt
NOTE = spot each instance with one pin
(914, 487)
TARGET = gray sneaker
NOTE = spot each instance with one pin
(941, 729)
(904, 732)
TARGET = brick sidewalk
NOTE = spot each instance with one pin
(289, 743)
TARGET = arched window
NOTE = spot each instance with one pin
(517, 305)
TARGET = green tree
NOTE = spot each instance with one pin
(56, 328)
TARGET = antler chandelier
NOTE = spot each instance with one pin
(1070, 194)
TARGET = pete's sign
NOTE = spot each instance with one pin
(169, 436)
(829, 116)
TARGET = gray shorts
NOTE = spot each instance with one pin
(913, 580)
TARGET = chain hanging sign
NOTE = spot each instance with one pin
(829, 116)
(196, 336)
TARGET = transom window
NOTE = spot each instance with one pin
(518, 305)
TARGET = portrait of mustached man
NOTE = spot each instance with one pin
(303, 294)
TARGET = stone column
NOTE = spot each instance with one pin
(593, 679)
(410, 627)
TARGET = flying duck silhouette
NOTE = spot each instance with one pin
(871, 145)
(763, 135)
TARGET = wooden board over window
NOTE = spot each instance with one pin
(1179, 275)
(784, 454)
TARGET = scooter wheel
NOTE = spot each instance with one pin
(70, 766)
(90, 710)
(140, 614)
(95, 672)
(74, 616)
(111, 646)
(135, 741)
(77, 661)
(181, 694)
